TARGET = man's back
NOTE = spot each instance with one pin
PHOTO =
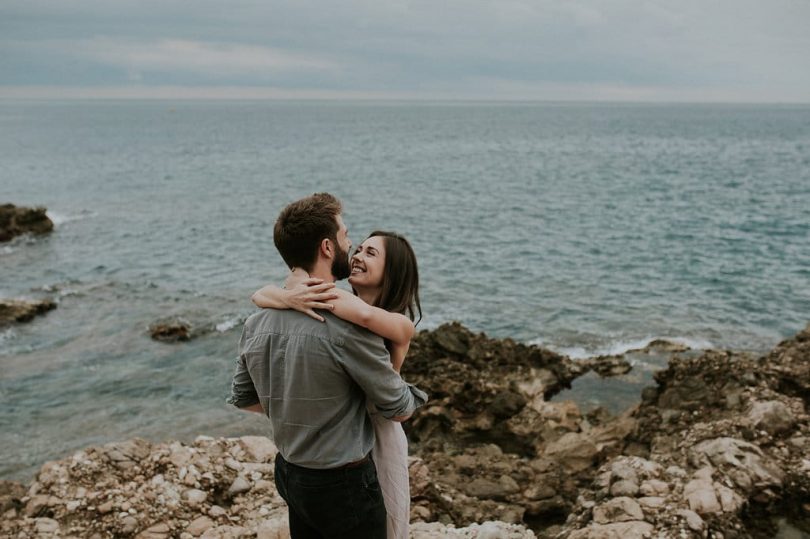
(312, 379)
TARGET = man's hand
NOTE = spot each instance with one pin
(254, 408)
(401, 418)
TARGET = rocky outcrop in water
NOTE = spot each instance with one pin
(22, 310)
(15, 221)
(171, 330)
(720, 448)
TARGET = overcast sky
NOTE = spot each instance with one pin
(622, 50)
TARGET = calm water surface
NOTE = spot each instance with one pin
(585, 228)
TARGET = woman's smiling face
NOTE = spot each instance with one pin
(368, 263)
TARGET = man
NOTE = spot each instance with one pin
(313, 380)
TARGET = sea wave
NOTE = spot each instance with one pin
(620, 346)
(229, 324)
(6, 335)
(60, 218)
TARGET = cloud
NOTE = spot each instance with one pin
(467, 48)
(210, 58)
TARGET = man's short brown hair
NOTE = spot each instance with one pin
(301, 227)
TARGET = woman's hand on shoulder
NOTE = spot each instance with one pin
(310, 294)
(302, 293)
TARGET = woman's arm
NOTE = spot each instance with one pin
(306, 296)
(398, 352)
(395, 327)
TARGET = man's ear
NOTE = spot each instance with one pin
(327, 249)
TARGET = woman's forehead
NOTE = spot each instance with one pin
(374, 241)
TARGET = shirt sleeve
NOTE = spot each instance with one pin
(243, 392)
(368, 363)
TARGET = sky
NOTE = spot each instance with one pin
(564, 50)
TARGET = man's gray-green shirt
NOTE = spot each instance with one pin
(313, 380)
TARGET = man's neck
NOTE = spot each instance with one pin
(322, 271)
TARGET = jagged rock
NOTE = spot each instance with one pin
(239, 485)
(16, 220)
(619, 530)
(46, 526)
(624, 488)
(771, 416)
(199, 526)
(276, 528)
(485, 530)
(619, 509)
(745, 463)
(701, 497)
(574, 451)
(171, 330)
(654, 487)
(158, 531)
(489, 446)
(693, 520)
(259, 448)
(21, 310)
(195, 496)
(715, 433)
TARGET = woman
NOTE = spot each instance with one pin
(385, 280)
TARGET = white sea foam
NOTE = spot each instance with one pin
(7, 335)
(621, 346)
(229, 324)
(60, 219)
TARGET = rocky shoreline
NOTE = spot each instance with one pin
(719, 448)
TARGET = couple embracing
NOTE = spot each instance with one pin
(323, 364)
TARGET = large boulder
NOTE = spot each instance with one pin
(15, 221)
(22, 310)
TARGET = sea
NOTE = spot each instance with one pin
(586, 228)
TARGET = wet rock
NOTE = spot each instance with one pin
(21, 310)
(17, 220)
(171, 330)
(609, 365)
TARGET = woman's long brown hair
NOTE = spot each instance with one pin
(399, 290)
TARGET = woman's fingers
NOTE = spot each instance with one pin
(324, 296)
(312, 281)
(318, 305)
(321, 287)
(314, 315)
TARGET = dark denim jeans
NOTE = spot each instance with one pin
(342, 503)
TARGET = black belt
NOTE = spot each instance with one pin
(355, 464)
